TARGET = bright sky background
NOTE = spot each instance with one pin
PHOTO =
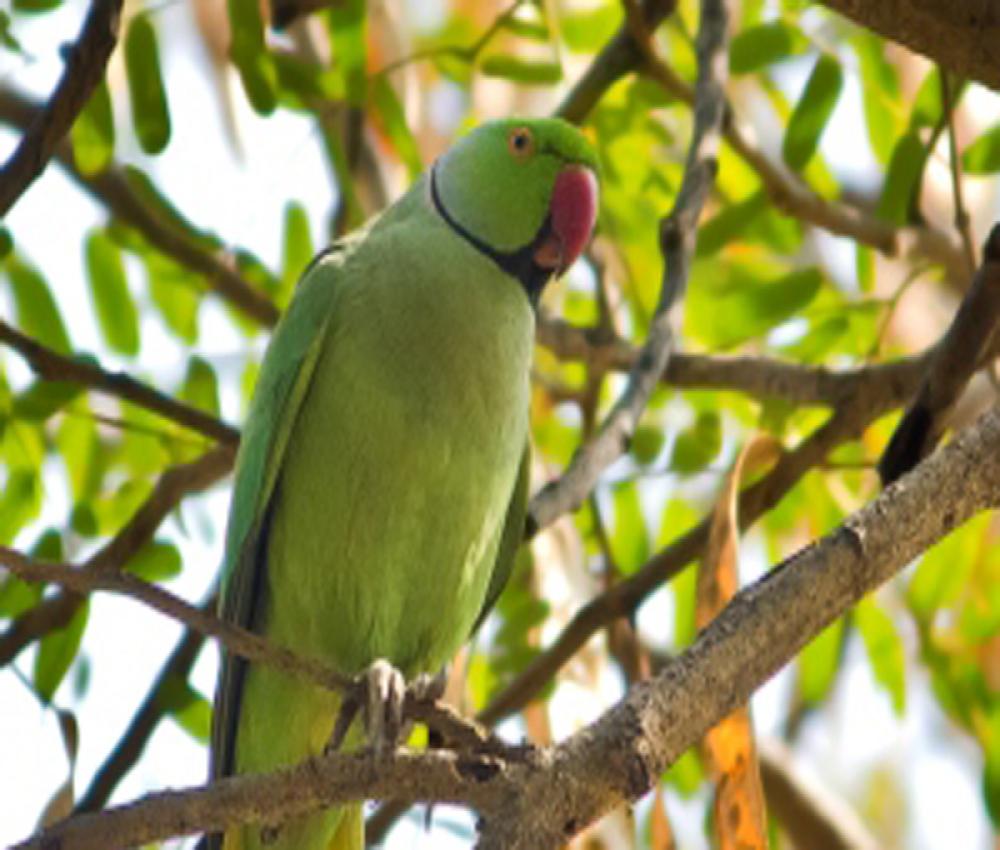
(127, 644)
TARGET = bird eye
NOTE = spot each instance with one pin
(521, 142)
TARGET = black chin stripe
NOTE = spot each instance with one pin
(519, 264)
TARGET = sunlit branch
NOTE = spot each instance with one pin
(539, 799)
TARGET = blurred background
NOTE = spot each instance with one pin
(251, 148)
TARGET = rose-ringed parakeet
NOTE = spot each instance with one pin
(381, 483)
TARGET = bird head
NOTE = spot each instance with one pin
(524, 192)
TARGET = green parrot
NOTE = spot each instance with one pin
(381, 484)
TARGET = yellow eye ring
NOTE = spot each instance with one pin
(521, 142)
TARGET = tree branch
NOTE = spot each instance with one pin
(539, 800)
(133, 741)
(85, 63)
(52, 366)
(793, 196)
(113, 189)
(959, 34)
(177, 482)
(678, 234)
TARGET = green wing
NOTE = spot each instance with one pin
(511, 537)
(281, 387)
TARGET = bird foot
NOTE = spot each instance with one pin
(380, 692)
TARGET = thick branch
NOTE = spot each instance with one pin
(624, 753)
(84, 69)
(540, 800)
(960, 34)
(52, 366)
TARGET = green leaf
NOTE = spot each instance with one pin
(7, 38)
(36, 309)
(686, 774)
(818, 339)
(525, 71)
(864, 266)
(818, 663)
(944, 571)
(732, 303)
(43, 398)
(93, 133)
(158, 560)
(164, 209)
(879, 93)
(393, 120)
(297, 250)
(110, 295)
(147, 95)
(83, 520)
(249, 54)
(347, 25)
(187, 707)
(20, 502)
(6, 243)
(177, 295)
(200, 387)
(647, 442)
(983, 155)
(757, 47)
(928, 106)
(902, 179)
(884, 648)
(588, 29)
(811, 113)
(751, 220)
(56, 653)
(35, 6)
(629, 537)
(698, 445)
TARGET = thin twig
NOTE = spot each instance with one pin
(678, 234)
(85, 63)
(237, 640)
(795, 198)
(963, 223)
(52, 366)
(54, 612)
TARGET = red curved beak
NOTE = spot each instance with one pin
(573, 212)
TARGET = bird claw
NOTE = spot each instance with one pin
(381, 693)
(385, 694)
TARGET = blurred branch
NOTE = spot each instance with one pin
(147, 717)
(54, 612)
(237, 640)
(760, 377)
(955, 360)
(678, 234)
(793, 196)
(810, 814)
(538, 799)
(962, 222)
(84, 70)
(620, 56)
(958, 34)
(113, 189)
(52, 366)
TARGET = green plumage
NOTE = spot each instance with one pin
(381, 483)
